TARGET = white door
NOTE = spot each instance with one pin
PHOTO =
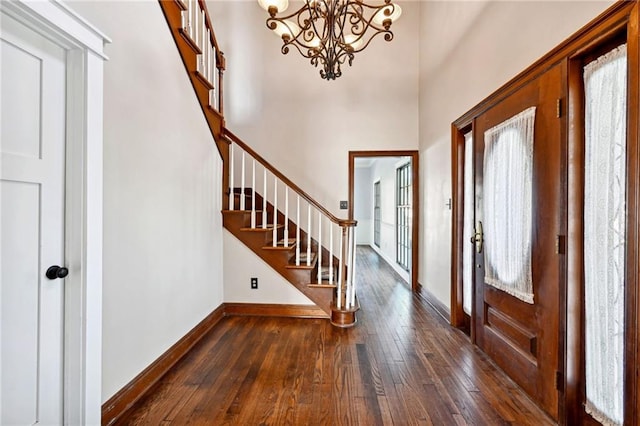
(32, 155)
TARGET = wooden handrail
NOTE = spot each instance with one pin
(235, 139)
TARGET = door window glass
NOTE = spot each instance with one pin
(507, 205)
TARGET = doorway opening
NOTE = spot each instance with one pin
(383, 198)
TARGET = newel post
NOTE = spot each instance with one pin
(345, 304)
(225, 149)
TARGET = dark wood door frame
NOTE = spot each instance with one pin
(459, 318)
(415, 171)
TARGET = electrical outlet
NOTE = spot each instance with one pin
(254, 283)
(343, 205)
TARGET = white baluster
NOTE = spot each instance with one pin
(253, 195)
(319, 247)
(298, 232)
(308, 234)
(203, 42)
(205, 69)
(211, 54)
(196, 24)
(349, 263)
(231, 195)
(205, 47)
(200, 58)
(264, 198)
(340, 269)
(187, 18)
(242, 206)
(286, 216)
(353, 267)
(194, 19)
(331, 230)
(213, 95)
(275, 211)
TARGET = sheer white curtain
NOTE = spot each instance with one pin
(605, 82)
(508, 162)
(467, 225)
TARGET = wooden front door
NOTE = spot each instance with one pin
(522, 337)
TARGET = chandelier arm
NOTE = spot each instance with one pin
(312, 21)
(390, 7)
(369, 23)
(297, 12)
(285, 49)
(388, 36)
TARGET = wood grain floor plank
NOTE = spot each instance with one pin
(401, 365)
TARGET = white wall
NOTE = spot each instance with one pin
(363, 204)
(467, 51)
(303, 125)
(162, 222)
(241, 264)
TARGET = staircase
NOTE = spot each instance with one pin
(281, 256)
(271, 215)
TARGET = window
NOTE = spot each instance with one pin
(605, 82)
(376, 214)
(403, 216)
(468, 229)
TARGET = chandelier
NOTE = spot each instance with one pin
(329, 32)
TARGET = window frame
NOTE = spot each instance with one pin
(403, 196)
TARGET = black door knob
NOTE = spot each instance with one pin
(56, 271)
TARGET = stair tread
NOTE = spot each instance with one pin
(192, 44)
(316, 285)
(237, 190)
(325, 272)
(259, 228)
(258, 212)
(303, 262)
(280, 245)
(245, 211)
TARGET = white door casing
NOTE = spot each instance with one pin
(82, 292)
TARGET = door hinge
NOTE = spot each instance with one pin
(559, 381)
(559, 107)
(561, 244)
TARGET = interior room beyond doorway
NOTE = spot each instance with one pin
(383, 188)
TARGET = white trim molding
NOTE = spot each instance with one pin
(83, 201)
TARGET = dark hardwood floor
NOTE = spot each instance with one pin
(400, 365)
